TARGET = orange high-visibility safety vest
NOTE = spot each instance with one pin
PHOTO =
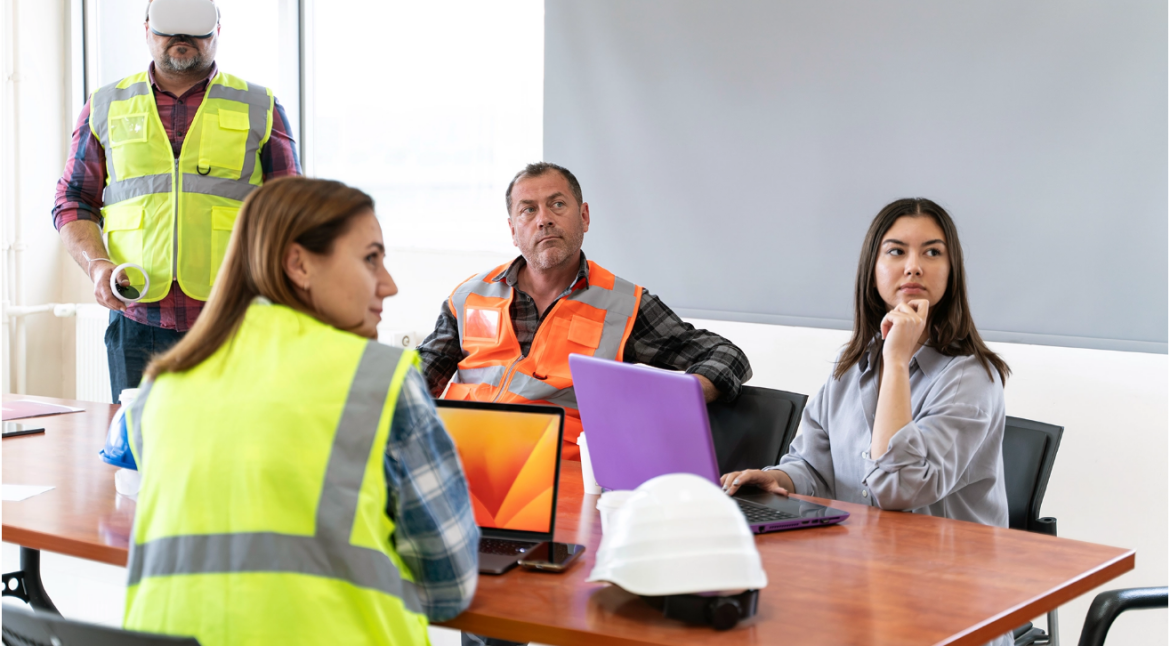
(595, 321)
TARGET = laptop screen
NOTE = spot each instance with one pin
(510, 454)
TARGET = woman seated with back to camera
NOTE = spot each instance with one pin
(298, 486)
(912, 418)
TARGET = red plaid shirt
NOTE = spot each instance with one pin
(79, 191)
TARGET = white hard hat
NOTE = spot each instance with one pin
(679, 534)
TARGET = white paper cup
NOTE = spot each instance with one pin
(587, 478)
(608, 504)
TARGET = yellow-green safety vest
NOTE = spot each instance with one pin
(262, 514)
(174, 217)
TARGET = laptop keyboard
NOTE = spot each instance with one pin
(757, 513)
(502, 546)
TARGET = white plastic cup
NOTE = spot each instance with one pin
(609, 503)
(587, 478)
(127, 482)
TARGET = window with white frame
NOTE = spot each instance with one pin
(431, 107)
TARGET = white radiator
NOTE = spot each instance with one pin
(93, 369)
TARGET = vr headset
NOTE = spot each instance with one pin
(194, 18)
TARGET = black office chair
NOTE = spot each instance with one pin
(1029, 451)
(27, 628)
(1107, 605)
(755, 430)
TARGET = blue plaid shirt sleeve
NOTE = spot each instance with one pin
(435, 531)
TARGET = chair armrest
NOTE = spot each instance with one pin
(1044, 525)
(1107, 605)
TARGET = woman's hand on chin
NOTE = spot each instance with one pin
(903, 329)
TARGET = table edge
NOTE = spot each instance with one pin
(1043, 603)
(40, 541)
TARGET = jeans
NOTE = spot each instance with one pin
(130, 345)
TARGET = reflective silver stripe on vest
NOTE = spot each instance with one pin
(537, 390)
(257, 99)
(328, 553)
(255, 95)
(271, 552)
(234, 189)
(136, 409)
(490, 375)
(136, 187)
(99, 116)
(354, 441)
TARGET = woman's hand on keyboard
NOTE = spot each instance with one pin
(769, 481)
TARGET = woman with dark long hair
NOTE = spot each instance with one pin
(912, 417)
(298, 486)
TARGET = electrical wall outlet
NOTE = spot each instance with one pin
(408, 339)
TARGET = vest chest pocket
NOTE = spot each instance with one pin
(481, 324)
(129, 145)
(224, 140)
(573, 335)
(123, 229)
(128, 129)
(585, 331)
(223, 219)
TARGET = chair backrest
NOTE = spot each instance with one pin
(26, 628)
(755, 430)
(1029, 451)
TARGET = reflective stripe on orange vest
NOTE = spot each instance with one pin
(594, 321)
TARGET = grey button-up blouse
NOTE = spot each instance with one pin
(948, 461)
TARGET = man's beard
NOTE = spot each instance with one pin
(549, 258)
(181, 65)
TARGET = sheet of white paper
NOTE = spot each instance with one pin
(16, 493)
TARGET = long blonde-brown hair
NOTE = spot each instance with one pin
(311, 212)
(952, 329)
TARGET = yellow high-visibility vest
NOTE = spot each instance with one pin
(175, 216)
(262, 514)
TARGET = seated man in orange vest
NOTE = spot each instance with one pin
(507, 334)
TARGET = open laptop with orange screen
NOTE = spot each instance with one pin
(511, 454)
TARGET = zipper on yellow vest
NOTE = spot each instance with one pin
(177, 183)
(175, 240)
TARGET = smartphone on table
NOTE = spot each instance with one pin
(552, 557)
(15, 429)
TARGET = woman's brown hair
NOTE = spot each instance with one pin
(952, 330)
(311, 212)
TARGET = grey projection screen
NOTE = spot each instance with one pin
(733, 152)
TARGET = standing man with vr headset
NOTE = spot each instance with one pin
(160, 163)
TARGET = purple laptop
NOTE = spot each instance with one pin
(643, 422)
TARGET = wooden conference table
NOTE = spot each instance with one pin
(879, 578)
